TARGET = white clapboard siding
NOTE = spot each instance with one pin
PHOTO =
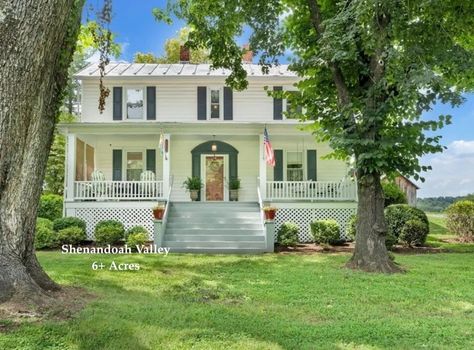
(177, 102)
(181, 164)
(253, 104)
(104, 144)
(327, 169)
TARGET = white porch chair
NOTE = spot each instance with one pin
(148, 187)
(99, 187)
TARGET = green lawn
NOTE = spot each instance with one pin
(442, 238)
(263, 302)
(260, 302)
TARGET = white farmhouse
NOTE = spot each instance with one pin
(117, 168)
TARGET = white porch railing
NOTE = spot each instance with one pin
(311, 190)
(114, 190)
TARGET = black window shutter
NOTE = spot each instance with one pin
(117, 165)
(312, 164)
(278, 169)
(277, 105)
(228, 104)
(117, 103)
(151, 160)
(151, 103)
(202, 103)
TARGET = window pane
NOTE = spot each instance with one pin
(134, 104)
(215, 104)
(293, 108)
(294, 166)
(214, 96)
(215, 110)
(134, 165)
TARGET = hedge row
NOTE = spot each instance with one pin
(71, 230)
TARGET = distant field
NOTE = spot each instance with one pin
(441, 237)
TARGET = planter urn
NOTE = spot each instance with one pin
(158, 213)
(270, 214)
(194, 195)
(234, 195)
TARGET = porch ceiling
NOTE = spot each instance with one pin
(289, 127)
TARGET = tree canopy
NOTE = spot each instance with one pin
(368, 70)
(172, 49)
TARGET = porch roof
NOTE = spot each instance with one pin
(285, 127)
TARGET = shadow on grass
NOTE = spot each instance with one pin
(213, 302)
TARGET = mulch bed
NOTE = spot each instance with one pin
(311, 248)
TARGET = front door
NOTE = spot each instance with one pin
(214, 178)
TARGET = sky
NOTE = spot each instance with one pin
(453, 170)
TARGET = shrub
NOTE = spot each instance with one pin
(44, 222)
(413, 232)
(45, 236)
(460, 219)
(50, 206)
(71, 235)
(109, 232)
(390, 240)
(393, 194)
(137, 239)
(326, 231)
(398, 214)
(287, 234)
(351, 228)
(136, 229)
(62, 223)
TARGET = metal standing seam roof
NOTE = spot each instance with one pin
(124, 69)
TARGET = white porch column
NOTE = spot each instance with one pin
(70, 166)
(262, 168)
(166, 165)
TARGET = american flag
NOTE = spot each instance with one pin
(269, 156)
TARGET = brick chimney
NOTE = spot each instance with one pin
(184, 54)
(247, 56)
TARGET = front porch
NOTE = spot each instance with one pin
(120, 173)
(133, 167)
(154, 191)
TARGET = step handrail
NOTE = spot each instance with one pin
(260, 204)
(165, 214)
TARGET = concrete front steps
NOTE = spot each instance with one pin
(214, 227)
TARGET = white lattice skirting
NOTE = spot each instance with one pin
(128, 216)
(304, 216)
(141, 214)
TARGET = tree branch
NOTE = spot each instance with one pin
(338, 77)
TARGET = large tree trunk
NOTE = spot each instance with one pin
(370, 252)
(37, 40)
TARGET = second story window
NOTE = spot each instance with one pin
(215, 103)
(292, 108)
(134, 104)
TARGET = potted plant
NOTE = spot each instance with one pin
(269, 212)
(158, 211)
(193, 185)
(234, 186)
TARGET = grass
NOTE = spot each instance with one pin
(441, 237)
(261, 302)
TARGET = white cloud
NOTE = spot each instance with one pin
(453, 171)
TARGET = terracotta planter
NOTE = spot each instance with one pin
(194, 195)
(234, 195)
(270, 214)
(158, 213)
